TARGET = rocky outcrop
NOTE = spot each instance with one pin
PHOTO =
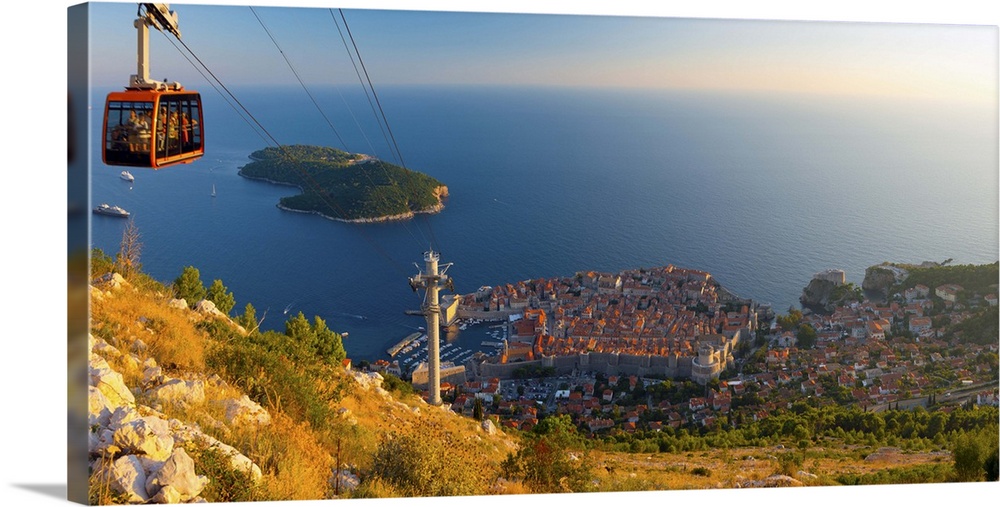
(817, 295)
(879, 279)
(176, 479)
(136, 451)
(488, 427)
(175, 391)
(109, 383)
(343, 481)
(140, 455)
(245, 411)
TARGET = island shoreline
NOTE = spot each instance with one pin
(440, 191)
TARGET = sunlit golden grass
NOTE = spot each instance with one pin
(295, 465)
(729, 468)
(413, 416)
(170, 335)
(296, 459)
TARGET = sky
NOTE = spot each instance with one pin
(949, 64)
(241, 45)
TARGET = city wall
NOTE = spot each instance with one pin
(603, 362)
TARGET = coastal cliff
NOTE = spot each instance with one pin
(828, 290)
(817, 295)
(881, 278)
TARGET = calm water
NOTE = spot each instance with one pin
(761, 191)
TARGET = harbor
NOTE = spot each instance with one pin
(395, 349)
(460, 342)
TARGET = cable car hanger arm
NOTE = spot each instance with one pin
(158, 16)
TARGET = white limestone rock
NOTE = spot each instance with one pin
(368, 380)
(109, 382)
(180, 392)
(184, 435)
(207, 307)
(179, 304)
(488, 426)
(124, 476)
(167, 494)
(238, 461)
(149, 436)
(105, 349)
(102, 442)
(112, 281)
(344, 481)
(178, 473)
(152, 375)
(99, 408)
(245, 411)
(122, 416)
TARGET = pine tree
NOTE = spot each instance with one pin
(189, 287)
(249, 318)
(220, 295)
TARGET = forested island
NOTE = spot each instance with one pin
(346, 186)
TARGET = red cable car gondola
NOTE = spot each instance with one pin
(152, 123)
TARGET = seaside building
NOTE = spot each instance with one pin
(836, 276)
(449, 308)
(449, 372)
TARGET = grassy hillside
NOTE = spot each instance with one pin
(320, 415)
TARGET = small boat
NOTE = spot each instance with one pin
(213, 190)
(111, 211)
(127, 176)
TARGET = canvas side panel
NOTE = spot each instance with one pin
(78, 268)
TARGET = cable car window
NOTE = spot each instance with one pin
(126, 135)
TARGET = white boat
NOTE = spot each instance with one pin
(213, 190)
(112, 211)
(127, 176)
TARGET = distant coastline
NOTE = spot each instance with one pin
(388, 193)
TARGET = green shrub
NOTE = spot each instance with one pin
(702, 471)
(227, 484)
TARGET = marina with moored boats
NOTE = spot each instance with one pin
(465, 339)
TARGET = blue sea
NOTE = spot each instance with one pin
(761, 190)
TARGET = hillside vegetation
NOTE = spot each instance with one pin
(978, 279)
(345, 186)
(321, 417)
(309, 427)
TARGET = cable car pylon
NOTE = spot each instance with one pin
(432, 280)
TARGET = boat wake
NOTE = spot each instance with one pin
(351, 315)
